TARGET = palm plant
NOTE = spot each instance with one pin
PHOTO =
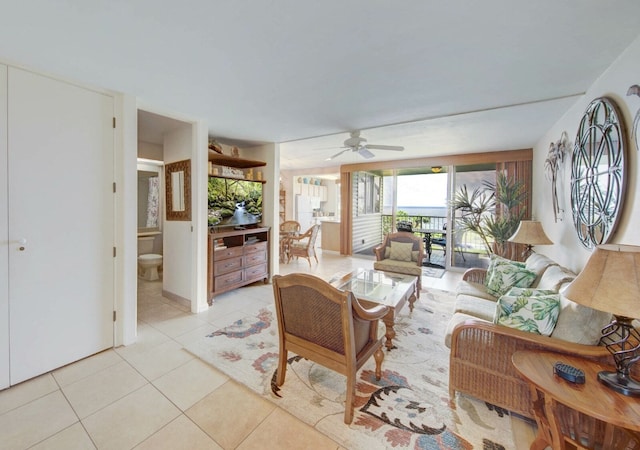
(493, 212)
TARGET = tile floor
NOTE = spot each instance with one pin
(155, 395)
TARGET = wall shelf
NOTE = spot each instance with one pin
(230, 161)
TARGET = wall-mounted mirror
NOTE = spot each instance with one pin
(148, 201)
(598, 173)
(178, 190)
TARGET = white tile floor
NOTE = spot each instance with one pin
(155, 395)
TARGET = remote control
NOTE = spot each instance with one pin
(569, 373)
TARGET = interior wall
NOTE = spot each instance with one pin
(177, 258)
(613, 83)
(149, 150)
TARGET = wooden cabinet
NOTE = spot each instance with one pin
(237, 258)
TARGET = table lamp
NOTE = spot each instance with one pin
(610, 282)
(530, 233)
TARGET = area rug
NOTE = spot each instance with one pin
(408, 407)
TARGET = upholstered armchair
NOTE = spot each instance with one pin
(327, 326)
(303, 245)
(401, 252)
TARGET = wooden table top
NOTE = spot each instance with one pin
(592, 398)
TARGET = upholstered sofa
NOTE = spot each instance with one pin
(480, 360)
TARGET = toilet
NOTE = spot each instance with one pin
(148, 262)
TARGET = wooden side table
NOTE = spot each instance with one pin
(583, 416)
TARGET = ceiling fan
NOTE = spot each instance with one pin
(358, 144)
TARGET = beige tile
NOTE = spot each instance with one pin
(195, 334)
(148, 338)
(179, 325)
(159, 360)
(72, 438)
(26, 392)
(180, 434)
(159, 313)
(85, 367)
(283, 431)
(230, 413)
(103, 388)
(189, 383)
(130, 420)
(29, 424)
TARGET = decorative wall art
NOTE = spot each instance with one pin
(635, 90)
(598, 173)
(553, 165)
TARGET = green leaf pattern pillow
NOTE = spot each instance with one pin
(532, 310)
(506, 274)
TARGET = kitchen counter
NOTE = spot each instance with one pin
(330, 229)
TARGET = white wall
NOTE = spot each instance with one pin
(613, 83)
(178, 258)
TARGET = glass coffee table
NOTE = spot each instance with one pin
(375, 287)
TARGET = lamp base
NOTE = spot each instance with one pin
(620, 383)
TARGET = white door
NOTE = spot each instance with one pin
(4, 234)
(61, 223)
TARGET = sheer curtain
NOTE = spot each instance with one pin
(153, 202)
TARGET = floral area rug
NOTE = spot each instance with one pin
(407, 408)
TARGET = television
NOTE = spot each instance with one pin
(234, 203)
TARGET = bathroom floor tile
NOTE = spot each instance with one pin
(189, 383)
(26, 392)
(96, 391)
(182, 433)
(229, 413)
(132, 419)
(31, 423)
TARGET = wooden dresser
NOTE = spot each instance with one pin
(236, 258)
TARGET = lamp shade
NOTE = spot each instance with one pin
(610, 281)
(530, 232)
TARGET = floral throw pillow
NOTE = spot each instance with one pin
(506, 274)
(532, 310)
(401, 251)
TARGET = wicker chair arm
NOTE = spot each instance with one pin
(475, 275)
(375, 313)
(300, 236)
(379, 252)
(492, 345)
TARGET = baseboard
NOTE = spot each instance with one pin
(176, 298)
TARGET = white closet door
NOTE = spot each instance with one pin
(61, 222)
(4, 234)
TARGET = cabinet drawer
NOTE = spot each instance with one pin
(255, 272)
(227, 253)
(256, 247)
(255, 258)
(227, 265)
(228, 279)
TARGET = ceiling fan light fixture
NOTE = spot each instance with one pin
(436, 169)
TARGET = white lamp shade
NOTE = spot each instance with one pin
(530, 232)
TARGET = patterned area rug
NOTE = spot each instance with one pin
(407, 408)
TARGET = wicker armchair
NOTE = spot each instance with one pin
(289, 227)
(413, 266)
(328, 326)
(303, 245)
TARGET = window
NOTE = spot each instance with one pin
(367, 193)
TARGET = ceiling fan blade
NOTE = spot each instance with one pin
(365, 153)
(396, 148)
(337, 154)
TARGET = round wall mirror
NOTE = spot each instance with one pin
(598, 169)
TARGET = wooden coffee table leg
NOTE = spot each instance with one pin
(390, 333)
(412, 300)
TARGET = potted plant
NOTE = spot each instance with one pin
(493, 212)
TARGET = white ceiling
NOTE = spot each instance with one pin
(460, 76)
